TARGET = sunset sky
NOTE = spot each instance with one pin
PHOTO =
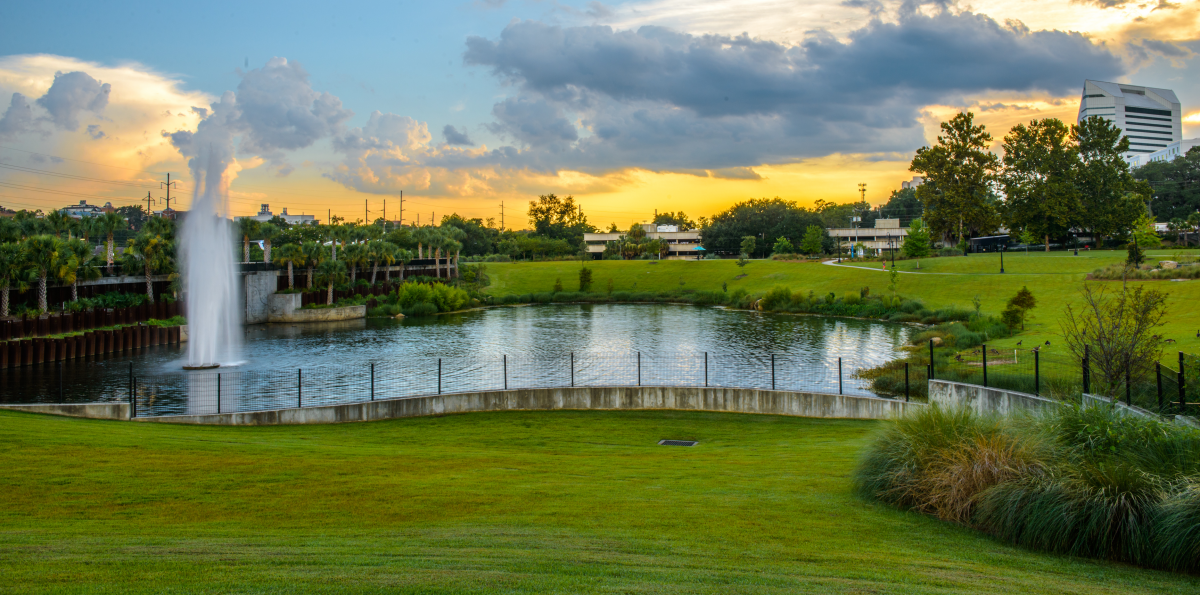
(630, 107)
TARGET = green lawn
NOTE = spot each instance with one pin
(493, 503)
(1054, 278)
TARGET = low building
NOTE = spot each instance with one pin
(887, 234)
(264, 215)
(83, 209)
(916, 181)
(1169, 153)
(682, 245)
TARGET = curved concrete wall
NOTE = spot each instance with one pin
(737, 400)
(89, 410)
(984, 400)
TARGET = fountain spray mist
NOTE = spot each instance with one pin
(209, 273)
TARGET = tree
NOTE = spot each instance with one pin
(355, 255)
(268, 232)
(783, 246)
(903, 205)
(108, 224)
(748, 245)
(585, 279)
(40, 253)
(959, 176)
(456, 237)
(1176, 184)
(1018, 308)
(916, 243)
(338, 235)
(152, 253)
(59, 221)
(761, 218)
(1117, 332)
(291, 255)
(314, 254)
(1111, 200)
(478, 239)
(679, 219)
(330, 273)
(74, 262)
(12, 265)
(1038, 179)
(135, 215)
(248, 228)
(558, 218)
(812, 242)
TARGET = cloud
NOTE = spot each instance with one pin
(18, 118)
(1167, 49)
(595, 99)
(72, 93)
(454, 137)
(94, 131)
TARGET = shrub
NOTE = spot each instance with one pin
(778, 298)
(420, 309)
(851, 298)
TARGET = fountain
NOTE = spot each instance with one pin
(210, 277)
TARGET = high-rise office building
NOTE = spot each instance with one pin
(1152, 118)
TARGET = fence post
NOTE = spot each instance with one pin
(931, 359)
(1158, 379)
(906, 382)
(372, 381)
(132, 400)
(572, 369)
(1037, 372)
(299, 387)
(60, 381)
(706, 369)
(439, 375)
(640, 368)
(985, 365)
(772, 371)
(218, 392)
(1087, 377)
(1182, 395)
(839, 375)
(506, 371)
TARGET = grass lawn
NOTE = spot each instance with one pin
(493, 503)
(1054, 278)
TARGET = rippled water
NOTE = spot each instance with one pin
(545, 345)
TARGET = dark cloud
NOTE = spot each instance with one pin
(595, 99)
(94, 131)
(72, 93)
(17, 119)
(454, 137)
(1166, 48)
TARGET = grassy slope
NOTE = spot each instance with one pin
(1054, 278)
(498, 503)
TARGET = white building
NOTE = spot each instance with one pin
(1172, 151)
(83, 209)
(886, 235)
(264, 215)
(681, 244)
(916, 181)
(1151, 118)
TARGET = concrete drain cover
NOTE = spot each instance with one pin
(677, 443)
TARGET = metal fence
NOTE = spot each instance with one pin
(232, 390)
(1169, 388)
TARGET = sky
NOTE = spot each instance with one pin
(464, 106)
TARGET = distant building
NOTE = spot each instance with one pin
(1151, 118)
(916, 181)
(887, 234)
(682, 245)
(264, 215)
(1172, 151)
(7, 212)
(83, 209)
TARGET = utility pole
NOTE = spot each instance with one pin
(366, 212)
(401, 207)
(862, 191)
(149, 200)
(168, 184)
(501, 215)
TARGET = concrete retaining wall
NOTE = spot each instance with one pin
(91, 410)
(257, 289)
(603, 398)
(319, 314)
(984, 400)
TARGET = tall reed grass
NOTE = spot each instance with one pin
(1083, 482)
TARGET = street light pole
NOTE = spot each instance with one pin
(1001, 259)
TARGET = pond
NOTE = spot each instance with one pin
(517, 347)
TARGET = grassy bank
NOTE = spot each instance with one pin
(532, 502)
(948, 282)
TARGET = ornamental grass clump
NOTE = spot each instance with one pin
(1084, 482)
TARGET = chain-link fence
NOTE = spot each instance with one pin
(232, 390)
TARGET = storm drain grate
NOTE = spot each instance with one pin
(677, 443)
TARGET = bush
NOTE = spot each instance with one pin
(851, 298)
(420, 309)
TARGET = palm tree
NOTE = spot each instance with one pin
(455, 246)
(355, 255)
(75, 261)
(59, 222)
(10, 231)
(40, 253)
(152, 252)
(403, 256)
(268, 232)
(421, 236)
(338, 234)
(248, 228)
(108, 224)
(86, 227)
(292, 254)
(12, 263)
(378, 251)
(331, 272)
(457, 236)
(314, 254)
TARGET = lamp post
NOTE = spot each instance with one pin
(1076, 244)
(1002, 258)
